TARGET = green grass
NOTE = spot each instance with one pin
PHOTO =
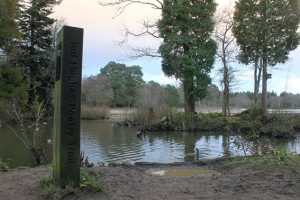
(87, 180)
(50, 190)
(3, 166)
(277, 157)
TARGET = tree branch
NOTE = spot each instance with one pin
(121, 5)
(143, 52)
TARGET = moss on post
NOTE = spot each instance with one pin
(66, 136)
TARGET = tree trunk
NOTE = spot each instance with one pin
(114, 97)
(264, 88)
(255, 84)
(225, 108)
(257, 77)
(188, 85)
(39, 156)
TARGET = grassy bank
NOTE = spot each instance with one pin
(275, 158)
(250, 122)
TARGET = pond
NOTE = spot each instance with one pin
(103, 141)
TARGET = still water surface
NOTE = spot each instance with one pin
(103, 142)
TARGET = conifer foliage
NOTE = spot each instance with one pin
(36, 49)
(187, 49)
(266, 30)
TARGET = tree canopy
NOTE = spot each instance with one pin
(36, 49)
(187, 49)
(266, 29)
(8, 24)
(124, 82)
(12, 85)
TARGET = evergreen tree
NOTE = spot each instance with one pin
(12, 85)
(266, 30)
(36, 50)
(124, 82)
(187, 50)
(8, 25)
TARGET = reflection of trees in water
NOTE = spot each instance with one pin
(226, 145)
(109, 139)
(257, 146)
(123, 141)
(189, 141)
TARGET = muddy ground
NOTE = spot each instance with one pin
(222, 181)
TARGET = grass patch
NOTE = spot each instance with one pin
(277, 157)
(87, 180)
(50, 190)
(3, 166)
(94, 113)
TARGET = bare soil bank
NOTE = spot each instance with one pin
(124, 183)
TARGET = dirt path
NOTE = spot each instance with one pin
(21, 184)
(127, 183)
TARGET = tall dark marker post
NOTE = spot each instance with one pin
(66, 136)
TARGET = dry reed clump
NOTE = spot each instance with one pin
(94, 113)
(150, 115)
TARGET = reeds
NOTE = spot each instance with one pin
(150, 115)
(94, 113)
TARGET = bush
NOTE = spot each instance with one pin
(12, 83)
(278, 156)
(3, 166)
(279, 125)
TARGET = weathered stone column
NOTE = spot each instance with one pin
(66, 136)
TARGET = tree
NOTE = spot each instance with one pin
(8, 25)
(171, 96)
(95, 91)
(225, 53)
(187, 24)
(151, 95)
(266, 31)
(36, 50)
(187, 50)
(124, 82)
(212, 100)
(12, 85)
(149, 27)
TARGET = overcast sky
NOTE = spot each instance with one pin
(102, 31)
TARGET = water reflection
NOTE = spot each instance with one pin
(103, 142)
(13, 150)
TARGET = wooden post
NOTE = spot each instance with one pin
(66, 136)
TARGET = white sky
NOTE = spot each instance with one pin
(102, 31)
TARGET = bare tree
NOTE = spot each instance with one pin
(95, 91)
(226, 52)
(152, 94)
(28, 123)
(149, 27)
(58, 24)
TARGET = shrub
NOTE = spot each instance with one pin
(278, 156)
(3, 166)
